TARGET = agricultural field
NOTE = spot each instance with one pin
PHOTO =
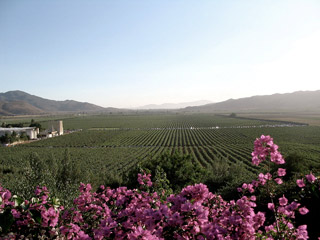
(113, 144)
(308, 117)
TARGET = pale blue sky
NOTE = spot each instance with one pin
(131, 53)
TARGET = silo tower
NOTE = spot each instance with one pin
(60, 127)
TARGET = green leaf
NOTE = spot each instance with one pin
(17, 200)
(56, 202)
(6, 220)
(36, 215)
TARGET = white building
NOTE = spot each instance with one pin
(32, 132)
(55, 128)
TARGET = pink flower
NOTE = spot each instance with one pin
(144, 179)
(302, 232)
(6, 195)
(278, 180)
(303, 210)
(140, 233)
(281, 172)
(256, 160)
(310, 177)
(300, 183)
(250, 188)
(15, 213)
(262, 178)
(253, 198)
(277, 158)
(283, 201)
(293, 206)
(271, 206)
(263, 147)
(268, 176)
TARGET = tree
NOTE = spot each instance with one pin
(24, 136)
(37, 167)
(36, 124)
(64, 173)
(34, 174)
(14, 137)
(6, 138)
(180, 170)
(53, 165)
(68, 178)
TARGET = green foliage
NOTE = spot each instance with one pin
(13, 137)
(12, 125)
(53, 165)
(295, 165)
(6, 138)
(68, 177)
(177, 170)
(65, 170)
(37, 168)
(223, 178)
(110, 179)
(161, 184)
(24, 136)
(61, 175)
(9, 138)
(6, 220)
(34, 174)
(35, 124)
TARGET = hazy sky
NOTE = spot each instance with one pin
(136, 52)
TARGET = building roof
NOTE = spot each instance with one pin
(17, 129)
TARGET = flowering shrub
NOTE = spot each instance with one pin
(194, 213)
(29, 219)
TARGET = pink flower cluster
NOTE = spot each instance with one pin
(194, 213)
(30, 217)
(264, 147)
(144, 179)
(284, 214)
(309, 178)
(5, 195)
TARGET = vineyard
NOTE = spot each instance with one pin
(115, 144)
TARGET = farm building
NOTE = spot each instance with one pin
(55, 128)
(31, 132)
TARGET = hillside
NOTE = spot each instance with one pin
(22, 103)
(296, 101)
(18, 108)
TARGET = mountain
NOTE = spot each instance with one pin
(174, 105)
(296, 101)
(22, 103)
(18, 108)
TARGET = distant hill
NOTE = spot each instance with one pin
(174, 105)
(296, 101)
(18, 108)
(22, 103)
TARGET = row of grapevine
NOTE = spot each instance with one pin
(232, 145)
